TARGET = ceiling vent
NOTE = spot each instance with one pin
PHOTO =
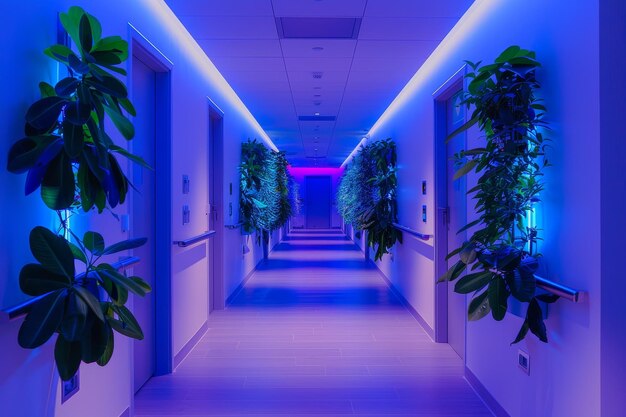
(317, 118)
(318, 75)
(318, 27)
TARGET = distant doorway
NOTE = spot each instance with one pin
(451, 308)
(318, 202)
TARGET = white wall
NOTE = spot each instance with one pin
(32, 25)
(565, 374)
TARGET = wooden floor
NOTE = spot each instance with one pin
(315, 332)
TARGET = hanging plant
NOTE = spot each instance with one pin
(501, 252)
(366, 196)
(69, 156)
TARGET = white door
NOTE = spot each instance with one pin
(143, 215)
(456, 202)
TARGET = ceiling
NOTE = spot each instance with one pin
(336, 63)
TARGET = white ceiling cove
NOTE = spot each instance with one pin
(341, 59)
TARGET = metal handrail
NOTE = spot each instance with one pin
(568, 293)
(233, 226)
(411, 231)
(22, 309)
(195, 239)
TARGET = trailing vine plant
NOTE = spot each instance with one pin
(367, 195)
(501, 253)
(71, 159)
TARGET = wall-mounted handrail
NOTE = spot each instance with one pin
(195, 239)
(411, 231)
(22, 309)
(233, 226)
(560, 290)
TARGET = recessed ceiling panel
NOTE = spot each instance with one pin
(318, 27)
(319, 8)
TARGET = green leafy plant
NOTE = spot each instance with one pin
(83, 308)
(264, 197)
(66, 152)
(69, 156)
(366, 196)
(501, 252)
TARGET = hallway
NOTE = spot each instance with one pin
(315, 331)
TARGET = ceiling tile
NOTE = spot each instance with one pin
(427, 29)
(221, 8)
(417, 8)
(241, 48)
(319, 8)
(261, 64)
(331, 48)
(231, 27)
(318, 64)
(394, 49)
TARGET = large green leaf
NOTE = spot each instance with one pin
(85, 35)
(73, 136)
(124, 245)
(71, 22)
(465, 169)
(473, 282)
(67, 86)
(523, 331)
(453, 272)
(107, 271)
(74, 318)
(113, 44)
(43, 113)
(122, 123)
(43, 320)
(67, 357)
(137, 159)
(478, 307)
(108, 351)
(25, 153)
(127, 323)
(58, 183)
(35, 280)
(59, 53)
(94, 242)
(498, 295)
(534, 316)
(109, 85)
(52, 252)
(95, 342)
(90, 300)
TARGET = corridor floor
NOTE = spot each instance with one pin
(315, 332)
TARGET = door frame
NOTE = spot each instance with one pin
(450, 87)
(217, 300)
(330, 199)
(140, 47)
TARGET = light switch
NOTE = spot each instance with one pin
(424, 213)
(186, 214)
(185, 184)
(424, 187)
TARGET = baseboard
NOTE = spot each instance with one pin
(429, 331)
(180, 356)
(237, 290)
(126, 413)
(491, 403)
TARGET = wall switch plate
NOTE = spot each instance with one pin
(185, 184)
(424, 187)
(230, 187)
(424, 218)
(523, 361)
(186, 214)
(230, 209)
(71, 387)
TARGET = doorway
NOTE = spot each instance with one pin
(216, 207)
(451, 200)
(318, 202)
(150, 205)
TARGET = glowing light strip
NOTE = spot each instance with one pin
(470, 21)
(168, 22)
(354, 152)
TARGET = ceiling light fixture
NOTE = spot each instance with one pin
(318, 48)
(317, 113)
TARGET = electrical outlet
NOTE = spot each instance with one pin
(71, 387)
(523, 361)
(424, 187)
(424, 218)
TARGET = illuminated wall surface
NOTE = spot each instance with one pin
(579, 373)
